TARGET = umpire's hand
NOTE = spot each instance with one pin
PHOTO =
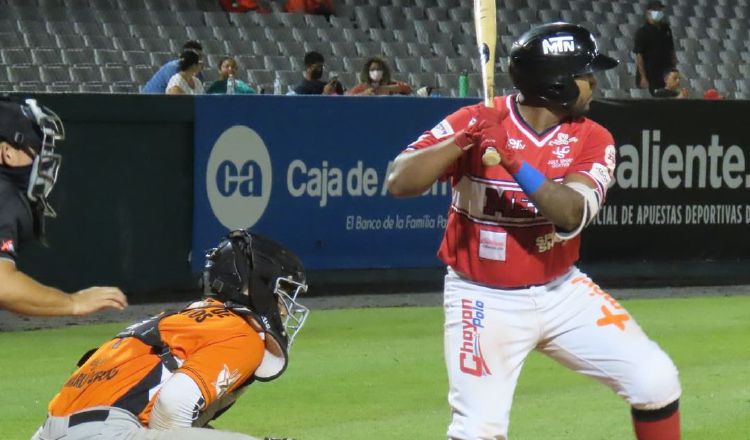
(94, 299)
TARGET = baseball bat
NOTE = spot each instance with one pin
(486, 29)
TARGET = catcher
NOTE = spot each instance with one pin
(169, 376)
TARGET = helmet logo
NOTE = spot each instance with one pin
(557, 45)
(484, 53)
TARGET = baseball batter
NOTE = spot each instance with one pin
(512, 241)
(169, 376)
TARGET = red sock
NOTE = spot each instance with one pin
(663, 429)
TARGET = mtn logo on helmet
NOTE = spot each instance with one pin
(545, 61)
(556, 45)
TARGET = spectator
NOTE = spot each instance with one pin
(158, 82)
(671, 87)
(315, 7)
(312, 84)
(376, 80)
(654, 49)
(185, 81)
(227, 69)
(712, 94)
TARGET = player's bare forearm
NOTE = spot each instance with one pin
(414, 172)
(559, 204)
(21, 294)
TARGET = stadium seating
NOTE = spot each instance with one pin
(114, 45)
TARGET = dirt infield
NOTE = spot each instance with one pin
(11, 322)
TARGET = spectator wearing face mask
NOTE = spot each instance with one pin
(654, 49)
(312, 83)
(376, 80)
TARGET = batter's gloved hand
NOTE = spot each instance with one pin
(469, 136)
(485, 118)
(497, 137)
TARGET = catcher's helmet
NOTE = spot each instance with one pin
(545, 60)
(264, 279)
(33, 128)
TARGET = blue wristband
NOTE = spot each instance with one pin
(529, 178)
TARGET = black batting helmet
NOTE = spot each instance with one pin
(264, 278)
(545, 61)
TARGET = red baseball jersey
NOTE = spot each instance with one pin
(495, 235)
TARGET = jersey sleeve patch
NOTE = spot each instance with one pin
(442, 130)
(8, 249)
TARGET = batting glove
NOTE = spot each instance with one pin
(496, 137)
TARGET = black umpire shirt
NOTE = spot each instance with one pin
(655, 44)
(16, 219)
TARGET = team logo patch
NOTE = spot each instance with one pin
(442, 130)
(563, 139)
(471, 359)
(516, 144)
(8, 247)
(560, 152)
(560, 161)
(602, 174)
(225, 380)
(610, 157)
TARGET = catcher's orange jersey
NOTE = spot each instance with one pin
(215, 347)
(495, 235)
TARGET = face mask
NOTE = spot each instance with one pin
(316, 73)
(657, 16)
(18, 176)
(376, 75)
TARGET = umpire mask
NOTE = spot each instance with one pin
(34, 129)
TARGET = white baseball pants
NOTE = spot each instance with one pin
(489, 332)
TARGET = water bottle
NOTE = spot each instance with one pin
(463, 84)
(277, 85)
(231, 85)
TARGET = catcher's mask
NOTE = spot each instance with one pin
(33, 128)
(264, 278)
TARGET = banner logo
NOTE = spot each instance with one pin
(238, 177)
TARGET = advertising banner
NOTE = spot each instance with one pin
(682, 190)
(310, 171)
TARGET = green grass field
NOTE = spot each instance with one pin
(364, 374)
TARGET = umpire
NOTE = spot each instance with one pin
(28, 171)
